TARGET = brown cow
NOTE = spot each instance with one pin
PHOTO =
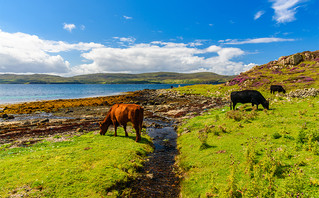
(121, 114)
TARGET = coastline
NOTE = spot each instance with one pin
(49, 106)
(20, 93)
(43, 118)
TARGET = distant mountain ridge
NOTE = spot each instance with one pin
(118, 78)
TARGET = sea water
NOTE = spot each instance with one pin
(17, 93)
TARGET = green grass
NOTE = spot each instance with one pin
(86, 166)
(250, 153)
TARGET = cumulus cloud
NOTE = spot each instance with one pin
(258, 14)
(162, 56)
(69, 27)
(25, 53)
(285, 10)
(254, 41)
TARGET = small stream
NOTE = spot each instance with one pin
(159, 178)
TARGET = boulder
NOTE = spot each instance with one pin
(290, 60)
(295, 59)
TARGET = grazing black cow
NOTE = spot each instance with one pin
(248, 96)
(279, 88)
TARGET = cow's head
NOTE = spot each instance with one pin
(266, 104)
(104, 126)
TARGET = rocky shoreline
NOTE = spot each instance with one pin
(75, 117)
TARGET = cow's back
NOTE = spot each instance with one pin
(246, 96)
(128, 112)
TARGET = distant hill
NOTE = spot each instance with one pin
(118, 78)
(295, 71)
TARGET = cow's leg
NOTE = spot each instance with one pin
(124, 126)
(138, 131)
(115, 129)
(255, 103)
(234, 105)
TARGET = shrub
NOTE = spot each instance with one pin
(203, 136)
(276, 135)
(236, 115)
(301, 138)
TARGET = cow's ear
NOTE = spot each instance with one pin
(100, 123)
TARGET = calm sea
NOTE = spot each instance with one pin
(16, 93)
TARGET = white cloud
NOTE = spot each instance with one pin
(161, 56)
(125, 40)
(254, 41)
(25, 53)
(258, 14)
(285, 10)
(69, 27)
(127, 17)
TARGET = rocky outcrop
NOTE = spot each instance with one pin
(290, 60)
(303, 93)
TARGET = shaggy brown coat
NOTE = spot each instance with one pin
(121, 114)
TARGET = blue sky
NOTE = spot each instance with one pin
(74, 37)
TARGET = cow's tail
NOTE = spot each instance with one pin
(230, 105)
(141, 116)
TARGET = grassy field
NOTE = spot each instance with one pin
(251, 153)
(89, 165)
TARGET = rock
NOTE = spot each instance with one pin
(44, 120)
(35, 122)
(303, 93)
(79, 130)
(68, 111)
(4, 115)
(295, 59)
(150, 175)
(290, 60)
(27, 123)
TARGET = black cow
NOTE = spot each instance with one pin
(279, 88)
(248, 96)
